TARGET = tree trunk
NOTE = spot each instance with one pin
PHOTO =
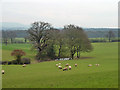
(38, 56)
(59, 52)
(72, 56)
(77, 52)
(109, 39)
(18, 59)
(6, 42)
(25, 40)
(11, 40)
(73, 52)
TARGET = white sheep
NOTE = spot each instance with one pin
(65, 69)
(3, 71)
(70, 67)
(24, 65)
(97, 64)
(89, 65)
(67, 64)
(56, 65)
(75, 65)
(60, 67)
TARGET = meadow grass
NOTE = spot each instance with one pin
(27, 48)
(47, 75)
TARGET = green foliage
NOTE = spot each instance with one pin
(51, 51)
(18, 54)
(39, 37)
(77, 40)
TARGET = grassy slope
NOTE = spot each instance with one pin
(47, 75)
(6, 51)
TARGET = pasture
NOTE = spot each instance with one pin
(47, 75)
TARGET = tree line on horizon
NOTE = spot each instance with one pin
(10, 36)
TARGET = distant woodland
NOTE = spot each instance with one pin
(91, 33)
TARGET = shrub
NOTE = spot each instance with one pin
(9, 62)
(18, 54)
(14, 62)
(4, 62)
(51, 52)
(115, 41)
(25, 61)
(97, 40)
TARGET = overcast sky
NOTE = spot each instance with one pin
(85, 13)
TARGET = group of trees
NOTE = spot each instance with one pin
(12, 36)
(9, 37)
(53, 43)
(110, 35)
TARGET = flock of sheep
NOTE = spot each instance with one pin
(67, 66)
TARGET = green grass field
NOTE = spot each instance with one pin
(6, 51)
(47, 75)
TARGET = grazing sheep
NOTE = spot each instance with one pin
(65, 69)
(3, 71)
(70, 67)
(75, 65)
(24, 65)
(67, 64)
(97, 64)
(56, 65)
(89, 65)
(60, 67)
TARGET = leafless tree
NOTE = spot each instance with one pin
(39, 36)
(110, 35)
(5, 37)
(77, 40)
(11, 35)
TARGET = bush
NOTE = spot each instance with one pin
(115, 41)
(0, 62)
(9, 62)
(97, 40)
(18, 54)
(51, 52)
(14, 62)
(4, 62)
(25, 61)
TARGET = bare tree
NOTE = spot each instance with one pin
(77, 40)
(110, 35)
(60, 41)
(11, 35)
(5, 37)
(25, 39)
(39, 36)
